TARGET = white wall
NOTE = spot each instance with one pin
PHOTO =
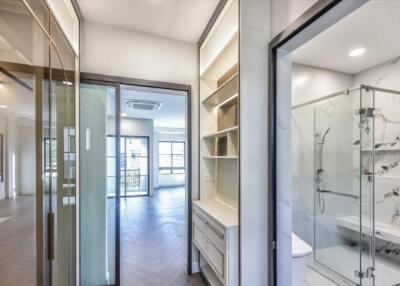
(2, 131)
(26, 158)
(255, 32)
(19, 156)
(311, 83)
(121, 52)
(167, 134)
(8, 127)
(285, 12)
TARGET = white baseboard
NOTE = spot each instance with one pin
(195, 267)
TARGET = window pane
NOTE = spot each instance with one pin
(164, 161)
(136, 146)
(132, 163)
(164, 171)
(110, 146)
(178, 148)
(178, 161)
(111, 167)
(132, 180)
(178, 171)
(164, 147)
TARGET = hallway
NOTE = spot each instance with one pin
(153, 246)
(17, 237)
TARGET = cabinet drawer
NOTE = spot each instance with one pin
(216, 237)
(213, 231)
(216, 258)
(200, 222)
(200, 238)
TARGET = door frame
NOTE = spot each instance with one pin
(117, 81)
(296, 34)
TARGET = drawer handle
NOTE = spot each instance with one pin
(216, 231)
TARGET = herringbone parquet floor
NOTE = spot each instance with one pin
(153, 246)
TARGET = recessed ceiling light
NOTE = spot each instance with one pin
(3, 106)
(67, 82)
(357, 52)
(124, 114)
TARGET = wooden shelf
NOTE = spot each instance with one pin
(221, 133)
(224, 92)
(221, 157)
(224, 59)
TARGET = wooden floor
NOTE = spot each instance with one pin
(153, 246)
(17, 242)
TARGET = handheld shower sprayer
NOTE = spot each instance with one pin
(320, 170)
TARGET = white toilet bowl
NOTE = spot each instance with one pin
(300, 253)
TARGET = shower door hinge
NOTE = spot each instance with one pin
(369, 273)
(367, 112)
(359, 274)
(274, 245)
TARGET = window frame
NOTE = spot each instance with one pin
(171, 169)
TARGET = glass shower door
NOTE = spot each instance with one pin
(340, 237)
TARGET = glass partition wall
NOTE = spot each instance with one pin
(37, 120)
(339, 131)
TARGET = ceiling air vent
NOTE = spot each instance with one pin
(146, 105)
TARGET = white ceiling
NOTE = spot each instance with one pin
(182, 20)
(375, 26)
(19, 100)
(172, 111)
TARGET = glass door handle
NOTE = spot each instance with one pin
(338, 193)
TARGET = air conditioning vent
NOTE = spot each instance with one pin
(146, 105)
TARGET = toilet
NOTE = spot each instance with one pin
(300, 253)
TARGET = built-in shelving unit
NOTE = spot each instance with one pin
(221, 133)
(223, 94)
(216, 214)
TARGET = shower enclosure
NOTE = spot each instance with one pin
(355, 138)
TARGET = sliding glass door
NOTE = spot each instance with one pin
(99, 212)
(134, 165)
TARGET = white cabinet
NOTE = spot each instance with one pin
(215, 234)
